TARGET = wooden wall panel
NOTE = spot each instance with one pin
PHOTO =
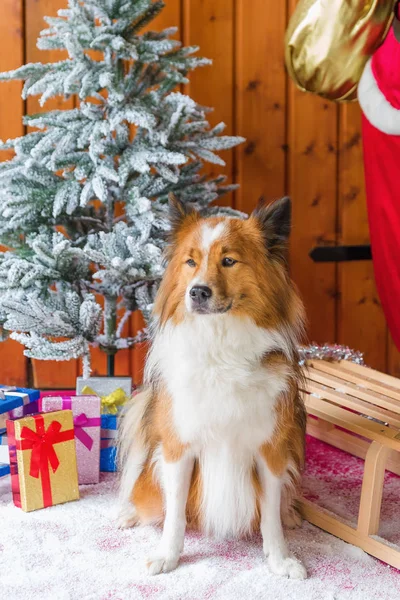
(312, 185)
(13, 366)
(361, 323)
(393, 357)
(35, 11)
(171, 16)
(210, 25)
(260, 101)
(47, 374)
(296, 143)
(11, 103)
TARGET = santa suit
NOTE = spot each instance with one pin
(379, 97)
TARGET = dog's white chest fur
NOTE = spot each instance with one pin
(223, 403)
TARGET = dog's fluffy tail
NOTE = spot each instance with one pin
(132, 452)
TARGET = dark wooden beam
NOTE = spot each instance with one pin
(340, 253)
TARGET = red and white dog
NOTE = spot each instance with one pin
(216, 439)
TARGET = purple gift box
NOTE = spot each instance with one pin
(87, 421)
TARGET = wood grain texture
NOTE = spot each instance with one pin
(46, 374)
(389, 554)
(260, 101)
(35, 11)
(393, 357)
(11, 103)
(13, 367)
(296, 143)
(348, 442)
(312, 185)
(382, 453)
(313, 188)
(210, 25)
(171, 16)
(361, 322)
(372, 489)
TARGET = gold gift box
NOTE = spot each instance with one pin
(43, 460)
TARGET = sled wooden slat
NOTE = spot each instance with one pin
(348, 442)
(366, 374)
(353, 403)
(328, 522)
(357, 410)
(373, 384)
(355, 423)
(379, 399)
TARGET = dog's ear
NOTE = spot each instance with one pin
(275, 222)
(178, 212)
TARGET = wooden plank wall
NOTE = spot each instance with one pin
(296, 144)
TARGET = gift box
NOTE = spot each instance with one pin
(4, 458)
(108, 452)
(113, 391)
(4, 455)
(86, 415)
(19, 412)
(43, 460)
(4, 469)
(13, 397)
(24, 411)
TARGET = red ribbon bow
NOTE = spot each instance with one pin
(41, 442)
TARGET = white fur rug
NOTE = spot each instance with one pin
(74, 551)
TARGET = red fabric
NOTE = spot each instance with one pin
(382, 177)
(385, 65)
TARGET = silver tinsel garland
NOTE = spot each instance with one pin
(333, 352)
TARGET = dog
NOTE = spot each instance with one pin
(216, 438)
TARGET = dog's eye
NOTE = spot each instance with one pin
(228, 262)
(191, 262)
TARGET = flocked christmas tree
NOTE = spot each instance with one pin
(83, 204)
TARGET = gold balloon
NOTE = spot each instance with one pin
(328, 43)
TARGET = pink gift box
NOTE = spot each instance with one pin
(87, 421)
(62, 393)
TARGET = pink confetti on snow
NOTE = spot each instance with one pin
(75, 551)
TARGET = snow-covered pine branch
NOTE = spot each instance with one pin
(83, 203)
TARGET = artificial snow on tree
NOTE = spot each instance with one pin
(83, 203)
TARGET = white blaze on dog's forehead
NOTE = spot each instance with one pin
(210, 234)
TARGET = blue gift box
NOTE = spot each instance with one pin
(4, 469)
(13, 397)
(108, 460)
(108, 450)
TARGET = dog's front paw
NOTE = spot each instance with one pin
(161, 564)
(289, 567)
(127, 517)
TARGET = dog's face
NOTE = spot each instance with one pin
(220, 265)
(212, 267)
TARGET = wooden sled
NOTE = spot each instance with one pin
(357, 410)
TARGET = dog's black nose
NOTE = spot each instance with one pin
(200, 294)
